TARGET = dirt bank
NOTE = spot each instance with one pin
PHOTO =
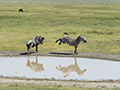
(106, 84)
(94, 55)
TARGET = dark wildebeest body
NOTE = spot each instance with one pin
(35, 41)
(20, 10)
(70, 41)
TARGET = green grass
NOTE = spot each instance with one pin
(99, 24)
(46, 87)
(62, 1)
(37, 87)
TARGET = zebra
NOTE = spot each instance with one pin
(35, 41)
(70, 41)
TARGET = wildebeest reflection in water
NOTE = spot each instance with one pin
(35, 66)
(70, 69)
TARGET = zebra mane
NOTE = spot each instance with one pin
(78, 39)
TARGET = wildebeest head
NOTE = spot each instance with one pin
(40, 38)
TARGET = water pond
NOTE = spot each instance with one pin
(59, 68)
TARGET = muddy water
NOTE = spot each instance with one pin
(59, 68)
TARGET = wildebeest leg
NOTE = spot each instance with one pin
(59, 40)
(36, 48)
(75, 52)
(28, 48)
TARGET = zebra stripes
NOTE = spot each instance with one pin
(35, 41)
(70, 41)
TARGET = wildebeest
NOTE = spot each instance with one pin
(70, 41)
(35, 41)
(20, 10)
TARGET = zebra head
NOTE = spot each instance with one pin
(83, 39)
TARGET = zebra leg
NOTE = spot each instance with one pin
(60, 69)
(59, 40)
(56, 41)
(75, 52)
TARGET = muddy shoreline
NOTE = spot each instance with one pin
(93, 55)
(101, 84)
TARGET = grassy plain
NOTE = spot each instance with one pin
(63, 1)
(99, 24)
(46, 87)
(36, 87)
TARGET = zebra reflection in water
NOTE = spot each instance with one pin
(70, 69)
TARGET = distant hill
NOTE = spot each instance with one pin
(63, 1)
